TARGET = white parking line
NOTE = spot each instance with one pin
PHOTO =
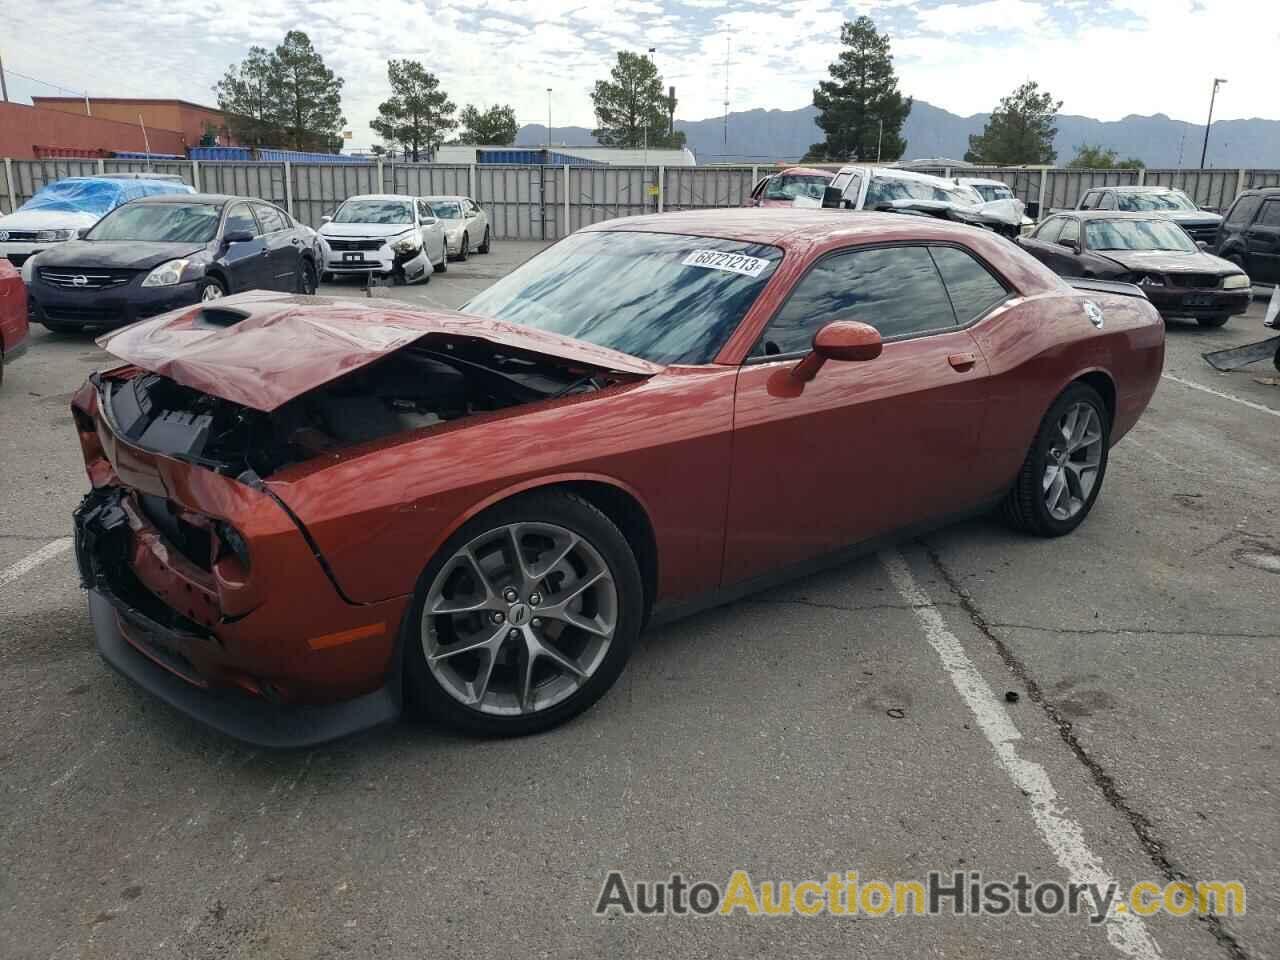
(1065, 837)
(1225, 396)
(31, 561)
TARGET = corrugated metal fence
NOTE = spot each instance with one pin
(547, 202)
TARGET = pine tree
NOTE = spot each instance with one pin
(1020, 131)
(419, 114)
(861, 96)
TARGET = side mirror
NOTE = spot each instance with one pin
(1072, 245)
(237, 236)
(326, 218)
(831, 197)
(1203, 245)
(80, 234)
(841, 340)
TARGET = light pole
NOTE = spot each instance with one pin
(880, 140)
(644, 178)
(548, 118)
(1213, 96)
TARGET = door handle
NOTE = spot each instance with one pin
(962, 361)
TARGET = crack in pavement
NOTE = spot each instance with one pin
(819, 605)
(1153, 631)
(1155, 846)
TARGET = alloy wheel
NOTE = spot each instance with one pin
(519, 618)
(211, 292)
(1072, 461)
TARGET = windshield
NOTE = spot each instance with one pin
(887, 189)
(159, 223)
(790, 186)
(661, 297)
(374, 211)
(1154, 201)
(445, 209)
(1137, 235)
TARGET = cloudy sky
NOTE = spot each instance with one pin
(1103, 58)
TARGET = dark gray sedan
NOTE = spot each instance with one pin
(160, 253)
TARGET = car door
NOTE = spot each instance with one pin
(865, 447)
(476, 221)
(247, 263)
(433, 241)
(284, 249)
(1263, 240)
(1044, 244)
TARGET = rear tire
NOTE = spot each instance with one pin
(1219, 320)
(443, 265)
(464, 250)
(1056, 471)
(521, 693)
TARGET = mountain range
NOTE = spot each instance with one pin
(1158, 141)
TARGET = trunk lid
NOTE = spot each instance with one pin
(263, 349)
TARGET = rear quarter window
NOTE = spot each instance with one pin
(972, 287)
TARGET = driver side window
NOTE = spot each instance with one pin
(424, 212)
(897, 290)
(1070, 231)
(1108, 201)
(240, 220)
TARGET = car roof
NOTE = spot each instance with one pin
(445, 196)
(803, 172)
(1112, 215)
(789, 226)
(1136, 188)
(984, 181)
(216, 198)
(1261, 192)
(382, 196)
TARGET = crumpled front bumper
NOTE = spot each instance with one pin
(166, 652)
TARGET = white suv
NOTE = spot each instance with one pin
(387, 234)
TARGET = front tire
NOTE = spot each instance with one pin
(1062, 475)
(212, 289)
(485, 244)
(1219, 320)
(307, 278)
(524, 618)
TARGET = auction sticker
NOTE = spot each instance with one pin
(729, 262)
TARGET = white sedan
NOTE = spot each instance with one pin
(387, 234)
(466, 225)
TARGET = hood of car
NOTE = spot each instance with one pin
(1168, 261)
(1198, 217)
(46, 220)
(127, 254)
(262, 349)
(364, 229)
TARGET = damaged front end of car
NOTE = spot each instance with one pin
(206, 586)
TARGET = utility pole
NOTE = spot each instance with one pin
(880, 140)
(4, 90)
(728, 46)
(1213, 96)
(548, 118)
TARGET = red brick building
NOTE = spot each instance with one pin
(67, 125)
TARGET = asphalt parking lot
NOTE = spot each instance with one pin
(857, 720)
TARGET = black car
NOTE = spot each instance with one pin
(158, 253)
(1178, 276)
(1250, 235)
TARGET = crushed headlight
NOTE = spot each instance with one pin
(166, 275)
(1236, 281)
(1151, 280)
(408, 243)
(53, 236)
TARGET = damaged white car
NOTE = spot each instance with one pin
(902, 191)
(389, 235)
